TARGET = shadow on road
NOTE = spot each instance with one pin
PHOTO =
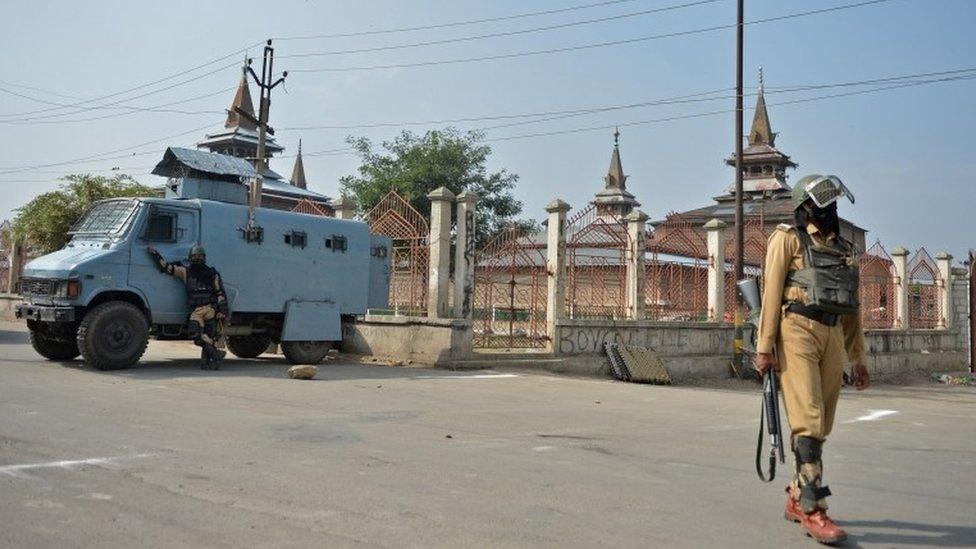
(12, 336)
(894, 533)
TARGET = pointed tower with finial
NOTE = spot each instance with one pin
(240, 135)
(298, 172)
(763, 165)
(614, 201)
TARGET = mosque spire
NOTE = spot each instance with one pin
(615, 178)
(761, 132)
(298, 172)
(242, 100)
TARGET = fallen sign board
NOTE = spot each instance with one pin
(636, 364)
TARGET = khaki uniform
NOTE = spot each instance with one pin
(810, 354)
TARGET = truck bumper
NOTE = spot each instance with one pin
(45, 313)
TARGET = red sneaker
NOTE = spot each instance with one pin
(819, 527)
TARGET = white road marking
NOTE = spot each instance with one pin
(873, 415)
(17, 470)
(543, 448)
(472, 376)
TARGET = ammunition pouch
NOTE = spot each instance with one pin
(830, 276)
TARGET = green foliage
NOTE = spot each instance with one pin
(44, 221)
(414, 165)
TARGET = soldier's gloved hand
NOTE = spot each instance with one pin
(862, 379)
(151, 249)
(766, 361)
(221, 315)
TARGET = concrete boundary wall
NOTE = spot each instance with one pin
(434, 341)
(7, 304)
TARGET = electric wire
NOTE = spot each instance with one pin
(501, 33)
(565, 49)
(456, 23)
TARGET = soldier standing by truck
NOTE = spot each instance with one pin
(208, 303)
(810, 316)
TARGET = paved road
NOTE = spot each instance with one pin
(168, 455)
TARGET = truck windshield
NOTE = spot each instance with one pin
(106, 218)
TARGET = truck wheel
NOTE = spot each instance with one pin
(305, 352)
(113, 335)
(250, 346)
(52, 348)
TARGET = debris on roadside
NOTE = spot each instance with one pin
(306, 371)
(636, 364)
(968, 379)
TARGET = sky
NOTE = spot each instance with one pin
(905, 152)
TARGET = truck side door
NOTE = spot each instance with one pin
(172, 231)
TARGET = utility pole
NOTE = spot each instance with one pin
(265, 85)
(739, 220)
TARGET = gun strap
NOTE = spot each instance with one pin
(759, 444)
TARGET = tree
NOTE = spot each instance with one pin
(414, 165)
(44, 222)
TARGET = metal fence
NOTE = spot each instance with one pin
(510, 285)
(676, 271)
(877, 289)
(924, 282)
(596, 250)
(393, 216)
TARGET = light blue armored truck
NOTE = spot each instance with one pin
(290, 278)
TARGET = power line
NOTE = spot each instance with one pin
(728, 111)
(129, 110)
(134, 88)
(503, 33)
(98, 156)
(681, 99)
(457, 23)
(121, 101)
(589, 46)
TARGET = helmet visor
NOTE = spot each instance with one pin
(826, 190)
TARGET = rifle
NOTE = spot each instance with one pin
(769, 411)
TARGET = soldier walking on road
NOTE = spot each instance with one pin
(208, 303)
(810, 316)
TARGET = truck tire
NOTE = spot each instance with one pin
(52, 348)
(249, 346)
(113, 335)
(305, 352)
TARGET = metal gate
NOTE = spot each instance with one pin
(393, 216)
(510, 292)
(596, 250)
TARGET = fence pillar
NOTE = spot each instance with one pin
(715, 230)
(440, 252)
(345, 207)
(944, 260)
(464, 261)
(636, 278)
(555, 267)
(900, 257)
(15, 262)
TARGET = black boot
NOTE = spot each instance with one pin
(214, 356)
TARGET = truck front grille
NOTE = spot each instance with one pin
(38, 286)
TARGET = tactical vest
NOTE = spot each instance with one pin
(829, 275)
(201, 285)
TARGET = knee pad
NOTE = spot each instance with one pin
(210, 328)
(194, 333)
(808, 450)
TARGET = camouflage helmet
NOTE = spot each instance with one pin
(197, 250)
(822, 190)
